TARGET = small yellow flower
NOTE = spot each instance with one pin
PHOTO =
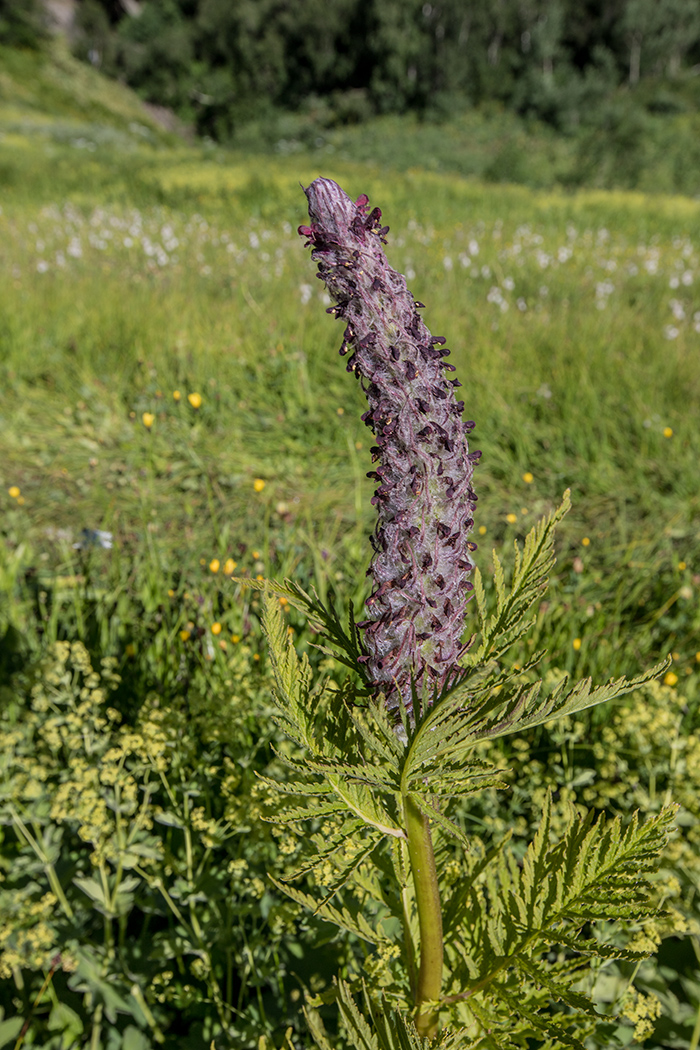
(195, 400)
(586, 541)
(235, 638)
(697, 657)
(214, 565)
(148, 419)
(13, 491)
(511, 518)
(682, 565)
(340, 411)
(528, 478)
(171, 593)
(258, 484)
(670, 678)
(216, 628)
(176, 395)
(576, 644)
(184, 635)
(229, 566)
(482, 530)
(523, 510)
(256, 555)
(668, 432)
(130, 649)
(20, 501)
(256, 656)
(259, 577)
(223, 644)
(283, 600)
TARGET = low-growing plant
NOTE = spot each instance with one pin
(461, 940)
(133, 904)
(641, 755)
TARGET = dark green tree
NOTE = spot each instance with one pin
(22, 24)
(155, 54)
(222, 63)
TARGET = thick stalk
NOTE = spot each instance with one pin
(422, 857)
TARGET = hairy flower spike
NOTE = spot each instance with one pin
(424, 497)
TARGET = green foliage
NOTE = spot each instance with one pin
(575, 389)
(649, 751)
(22, 24)
(223, 63)
(128, 860)
(513, 925)
(389, 1030)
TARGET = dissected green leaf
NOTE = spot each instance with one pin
(345, 644)
(529, 581)
(344, 919)
(593, 872)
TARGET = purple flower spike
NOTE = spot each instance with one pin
(424, 498)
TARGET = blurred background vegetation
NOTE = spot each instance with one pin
(604, 87)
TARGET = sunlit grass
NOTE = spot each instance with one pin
(169, 373)
(170, 370)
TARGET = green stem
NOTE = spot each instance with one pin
(95, 1042)
(33, 842)
(696, 1033)
(422, 857)
(695, 1038)
(408, 941)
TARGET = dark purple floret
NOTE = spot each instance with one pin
(424, 499)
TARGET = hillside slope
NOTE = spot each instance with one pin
(54, 100)
(54, 94)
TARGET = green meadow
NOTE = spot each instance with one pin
(174, 417)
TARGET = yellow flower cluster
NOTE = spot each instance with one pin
(160, 986)
(27, 935)
(642, 1010)
(209, 831)
(380, 966)
(74, 762)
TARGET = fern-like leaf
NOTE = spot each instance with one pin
(594, 872)
(527, 709)
(317, 1028)
(381, 1025)
(488, 708)
(540, 1020)
(346, 646)
(529, 581)
(297, 717)
(326, 847)
(342, 918)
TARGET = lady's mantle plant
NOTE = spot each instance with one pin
(471, 948)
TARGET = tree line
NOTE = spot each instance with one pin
(220, 63)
